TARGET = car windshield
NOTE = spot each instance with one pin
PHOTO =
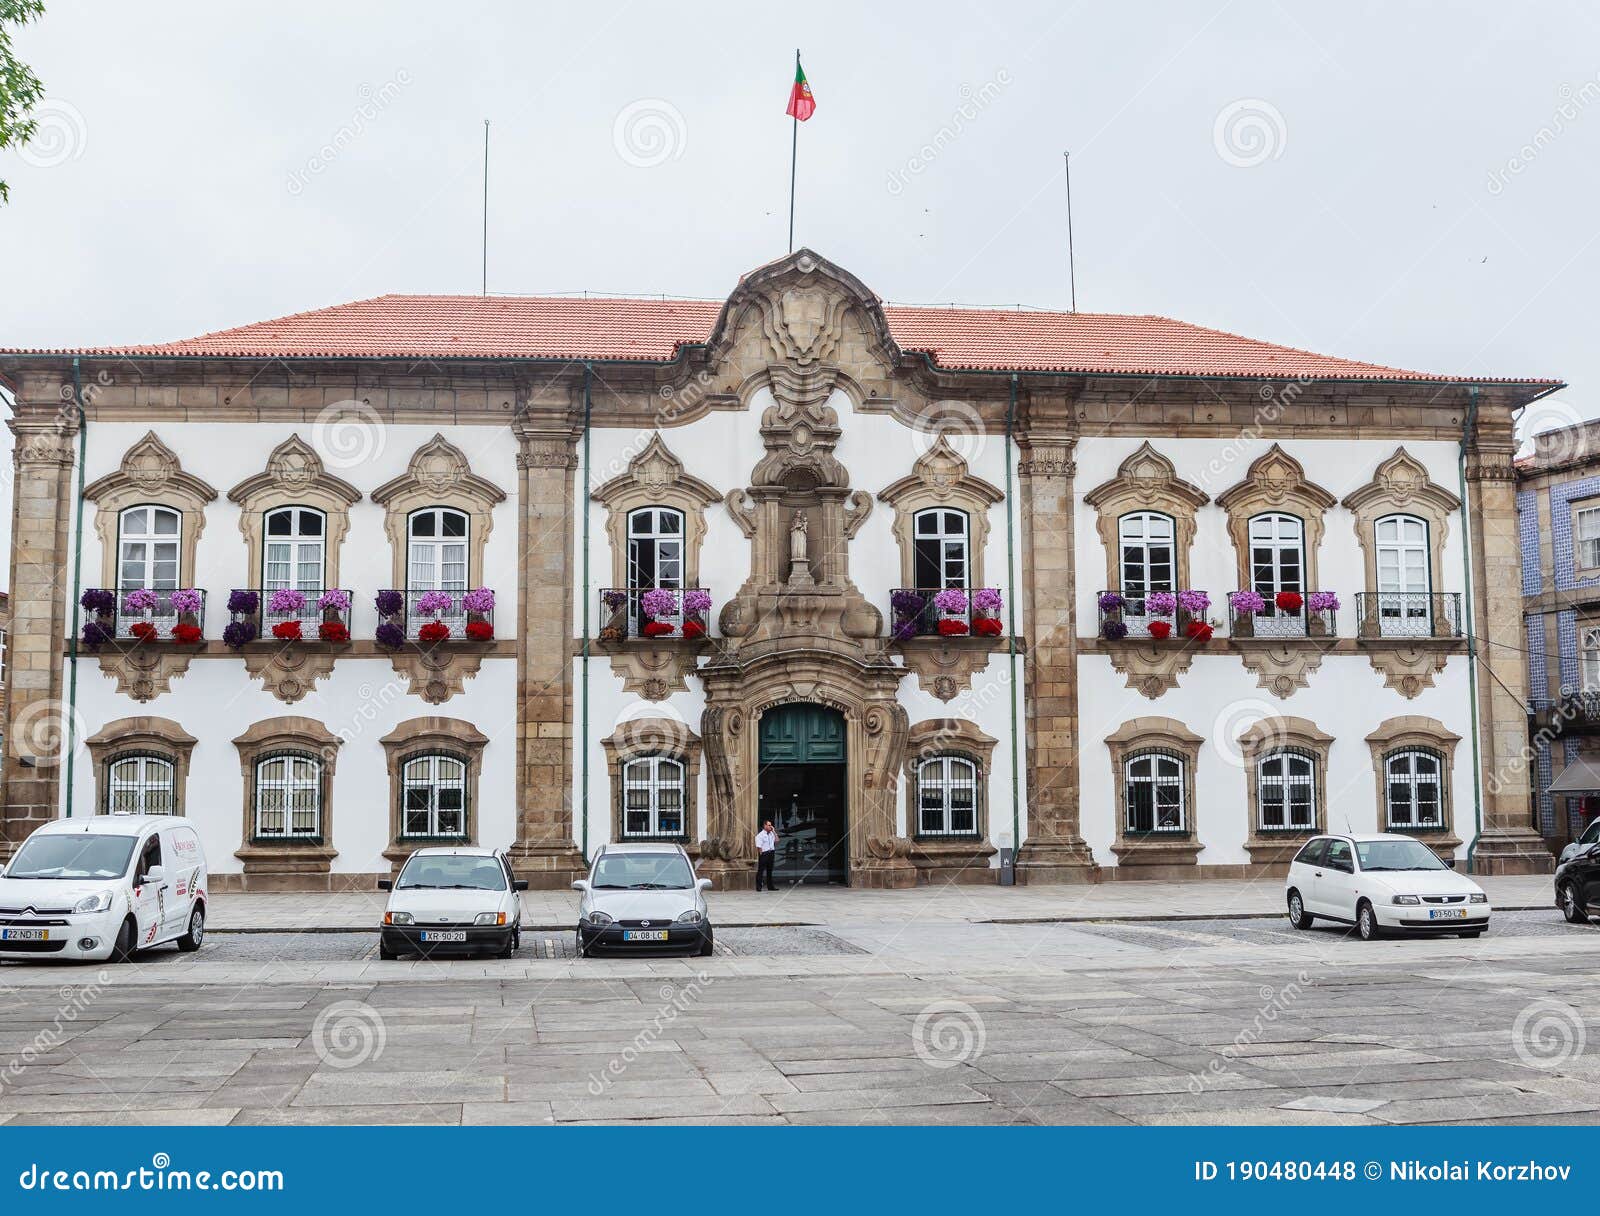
(642, 872)
(74, 855)
(1397, 855)
(442, 872)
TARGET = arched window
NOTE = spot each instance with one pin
(288, 797)
(947, 797)
(1401, 550)
(1153, 793)
(433, 793)
(940, 551)
(148, 548)
(653, 798)
(1286, 791)
(1145, 540)
(1414, 785)
(292, 554)
(1277, 563)
(436, 550)
(655, 548)
(138, 784)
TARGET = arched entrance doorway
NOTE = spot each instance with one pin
(801, 786)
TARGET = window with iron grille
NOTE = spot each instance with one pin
(1586, 536)
(947, 797)
(288, 797)
(1414, 785)
(1153, 793)
(1286, 791)
(433, 797)
(141, 784)
(653, 799)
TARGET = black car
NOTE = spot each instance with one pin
(1578, 884)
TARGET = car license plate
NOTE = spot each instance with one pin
(444, 935)
(24, 935)
(644, 935)
(1447, 914)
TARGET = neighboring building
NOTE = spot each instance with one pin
(1558, 514)
(716, 537)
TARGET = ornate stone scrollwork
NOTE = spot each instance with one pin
(289, 672)
(437, 673)
(144, 671)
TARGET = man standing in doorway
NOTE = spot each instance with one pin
(766, 854)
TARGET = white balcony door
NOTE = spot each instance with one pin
(939, 548)
(148, 551)
(1145, 542)
(1278, 563)
(436, 550)
(1405, 607)
(655, 556)
(294, 550)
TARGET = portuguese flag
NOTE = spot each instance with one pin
(802, 105)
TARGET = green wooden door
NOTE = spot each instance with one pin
(802, 734)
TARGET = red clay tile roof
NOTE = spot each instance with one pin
(612, 328)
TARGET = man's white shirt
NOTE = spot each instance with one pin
(766, 841)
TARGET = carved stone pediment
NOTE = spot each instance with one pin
(651, 669)
(145, 670)
(289, 671)
(437, 673)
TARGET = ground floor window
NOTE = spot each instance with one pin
(947, 797)
(288, 796)
(1286, 791)
(1414, 781)
(141, 785)
(433, 794)
(653, 798)
(1153, 793)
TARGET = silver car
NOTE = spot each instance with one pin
(643, 898)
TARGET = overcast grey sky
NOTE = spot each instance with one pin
(1338, 177)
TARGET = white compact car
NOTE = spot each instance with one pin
(1380, 884)
(453, 901)
(643, 898)
(103, 887)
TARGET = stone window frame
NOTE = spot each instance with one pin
(1415, 732)
(1259, 741)
(1165, 736)
(935, 738)
(939, 478)
(150, 474)
(438, 475)
(656, 478)
(294, 477)
(1276, 483)
(1400, 486)
(290, 734)
(144, 735)
(666, 738)
(1577, 507)
(1147, 481)
(431, 735)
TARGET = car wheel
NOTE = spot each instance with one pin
(122, 948)
(708, 946)
(583, 950)
(1570, 908)
(386, 954)
(513, 943)
(1367, 923)
(1298, 916)
(191, 940)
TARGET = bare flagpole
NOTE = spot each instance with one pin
(794, 153)
(485, 206)
(1072, 270)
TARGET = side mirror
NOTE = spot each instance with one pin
(386, 884)
(520, 884)
(703, 884)
(156, 874)
(581, 884)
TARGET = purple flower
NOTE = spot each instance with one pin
(1113, 631)
(951, 600)
(1247, 603)
(695, 602)
(658, 603)
(435, 602)
(1194, 603)
(187, 600)
(1323, 601)
(1110, 601)
(245, 603)
(99, 601)
(237, 633)
(907, 602)
(614, 599)
(286, 601)
(1160, 603)
(389, 635)
(388, 603)
(334, 599)
(479, 601)
(140, 599)
(905, 629)
(986, 599)
(96, 634)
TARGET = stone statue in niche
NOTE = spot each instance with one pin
(799, 561)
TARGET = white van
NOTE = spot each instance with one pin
(103, 887)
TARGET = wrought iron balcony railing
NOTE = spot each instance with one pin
(1288, 614)
(920, 612)
(289, 614)
(431, 616)
(1408, 614)
(654, 612)
(139, 614)
(1157, 615)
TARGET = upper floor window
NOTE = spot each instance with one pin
(1589, 659)
(288, 796)
(1414, 785)
(1277, 554)
(140, 785)
(940, 552)
(1286, 791)
(655, 548)
(148, 548)
(1586, 537)
(653, 797)
(292, 555)
(1153, 793)
(947, 797)
(433, 793)
(436, 550)
(1145, 542)
(1404, 563)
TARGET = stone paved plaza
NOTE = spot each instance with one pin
(883, 1020)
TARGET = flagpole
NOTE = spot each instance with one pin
(794, 153)
(1072, 265)
(485, 206)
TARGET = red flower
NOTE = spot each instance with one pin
(989, 626)
(287, 631)
(693, 629)
(144, 631)
(333, 631)
(1289, 601)
(1198, 630)
(187, 634)
(657, 629)
(433, 631)
(480, 631)
(1160, 629)
(952, 627)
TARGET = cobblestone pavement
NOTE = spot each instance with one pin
(1163, 1022)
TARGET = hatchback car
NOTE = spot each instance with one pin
(1382, 883)
(103, 887)
(453, 901)
(644, 898)
(1578, 883)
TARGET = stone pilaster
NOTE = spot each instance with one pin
(1054, 850)
(1511, 842)
(36, 713)
(545, 852)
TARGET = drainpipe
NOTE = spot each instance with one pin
(77, 592)
(583, 498)
(1011, 626)
(1472, 640)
